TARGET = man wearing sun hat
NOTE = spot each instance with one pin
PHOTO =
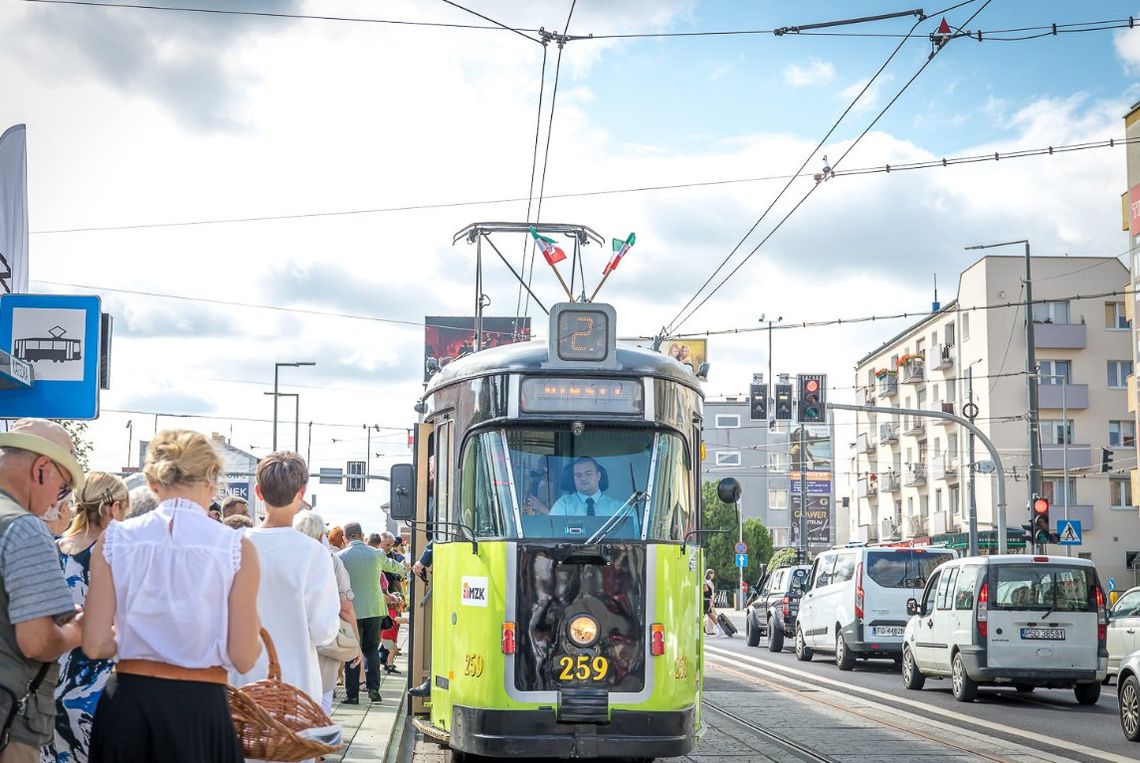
(38, 621)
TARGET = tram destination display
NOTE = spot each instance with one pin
(582, 335)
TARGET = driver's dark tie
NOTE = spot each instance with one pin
(589, 507)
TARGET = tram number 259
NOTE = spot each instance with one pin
(473, 666)
(582, 668)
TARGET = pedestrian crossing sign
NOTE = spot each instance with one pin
(1069, 532)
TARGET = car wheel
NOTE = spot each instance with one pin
(965, 689)
(844, 660)
(1024, 688)
(803, 653)
(752, 631)
(1130, 708)
(1087, 694)
(775, 637)
(912, 677)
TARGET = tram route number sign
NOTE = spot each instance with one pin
(742, 547)
(742, 560)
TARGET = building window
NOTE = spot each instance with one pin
(955, 501)
(728, 458)
(1051, 312)
(1114, 317)
(1054, 433)
(965, 329)
(1054, 491)
(1118, 373)
(727, 421)
(938, 500)
(778, 499)
(1121, 433)
(1120, 493)
(1055, 371)
(777, 463)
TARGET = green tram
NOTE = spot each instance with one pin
(565, 601)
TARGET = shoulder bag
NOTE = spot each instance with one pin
(11, 705)
(345, 647)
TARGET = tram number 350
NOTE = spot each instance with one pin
(582, 668)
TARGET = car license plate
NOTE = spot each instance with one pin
(1045, 634)
(887, 630)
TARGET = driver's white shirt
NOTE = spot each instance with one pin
(574, 505)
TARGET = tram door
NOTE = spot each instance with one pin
(419, 666)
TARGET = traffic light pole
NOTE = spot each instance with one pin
(803, 498)
(1002, 531)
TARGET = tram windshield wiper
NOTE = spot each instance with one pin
(616, 518)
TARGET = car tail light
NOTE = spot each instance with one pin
(1040, 558)
(1101, 617)
(787, 605)
(508, 638)
(657, 639)
(984, 610)
(859, 591)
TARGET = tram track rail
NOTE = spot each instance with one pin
(781, 739)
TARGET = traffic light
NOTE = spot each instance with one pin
(812, 406)
(1105, 460)
(758, 402)
(783, 399)
(1039, 519)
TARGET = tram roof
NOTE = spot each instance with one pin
(530, 357)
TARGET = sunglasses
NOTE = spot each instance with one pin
(65, 477)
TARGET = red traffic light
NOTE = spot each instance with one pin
(1040, 505)
(811, 385)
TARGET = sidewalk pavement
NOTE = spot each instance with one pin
(370, 729)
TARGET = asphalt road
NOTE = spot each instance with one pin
(1047, 719)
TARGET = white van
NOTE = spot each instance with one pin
(855, 604)
(1013, 620)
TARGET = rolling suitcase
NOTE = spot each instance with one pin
(726, 626)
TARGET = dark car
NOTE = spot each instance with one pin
(773, 608)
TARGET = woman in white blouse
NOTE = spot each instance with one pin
(310, 523)
(173, 597)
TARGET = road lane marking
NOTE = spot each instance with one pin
(846, 688)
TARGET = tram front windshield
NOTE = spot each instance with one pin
(601, 484)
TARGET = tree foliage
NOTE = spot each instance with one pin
(78, 432)
(785, 557)
(720, 553)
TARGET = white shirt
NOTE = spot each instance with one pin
(298, 604)
(172, 570)
(574, 505)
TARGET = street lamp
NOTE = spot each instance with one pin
(1030, 372)
(277, 367)
(296, 417)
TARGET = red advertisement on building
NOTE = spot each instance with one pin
(449, 337)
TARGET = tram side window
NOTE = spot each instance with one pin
(443, 481)
(485, 495)
(671, 512)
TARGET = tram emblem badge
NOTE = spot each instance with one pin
(474, 592)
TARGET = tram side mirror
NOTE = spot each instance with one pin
(402, 501)
(728, 490)
(702, 372)
(912, 607)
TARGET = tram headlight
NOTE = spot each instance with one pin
(583, 630)
(577, 428)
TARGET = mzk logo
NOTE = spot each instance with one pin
(474, 592)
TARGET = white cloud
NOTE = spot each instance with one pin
(1127, 45)
(815, 72)
(871, 97)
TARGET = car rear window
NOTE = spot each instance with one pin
(906, 568)
(1043, 587)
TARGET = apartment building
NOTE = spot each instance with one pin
(1131, 226)
(756, 455)
(911, 474)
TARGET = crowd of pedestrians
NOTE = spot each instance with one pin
(119, 634)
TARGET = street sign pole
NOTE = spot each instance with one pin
(740, 542)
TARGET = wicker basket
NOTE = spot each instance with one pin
(268, 713)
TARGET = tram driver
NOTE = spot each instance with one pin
(586, 497)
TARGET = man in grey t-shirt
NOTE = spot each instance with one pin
(38, 621)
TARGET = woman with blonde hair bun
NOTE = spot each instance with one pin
(102, 498)
(174, 598)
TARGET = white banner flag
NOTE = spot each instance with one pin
(14, 210)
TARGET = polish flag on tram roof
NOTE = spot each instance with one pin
(550, 250)
(620, 248)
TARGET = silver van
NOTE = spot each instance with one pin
(1013, 620)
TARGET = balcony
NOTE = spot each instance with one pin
(866, 534)
(1060, 336)
(868, 395)
(938, 523)
(915, 426)
(1132, 396)
(945, 356)
(865, 442)
(914, 371)
(1076, 396)
(918, 526)
(867, 488)
(945, 408)
(888, 385)
(890, 482)
(944, 467)
(889, 528)
(888, 433)
(1052, 456)
(916, 475)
